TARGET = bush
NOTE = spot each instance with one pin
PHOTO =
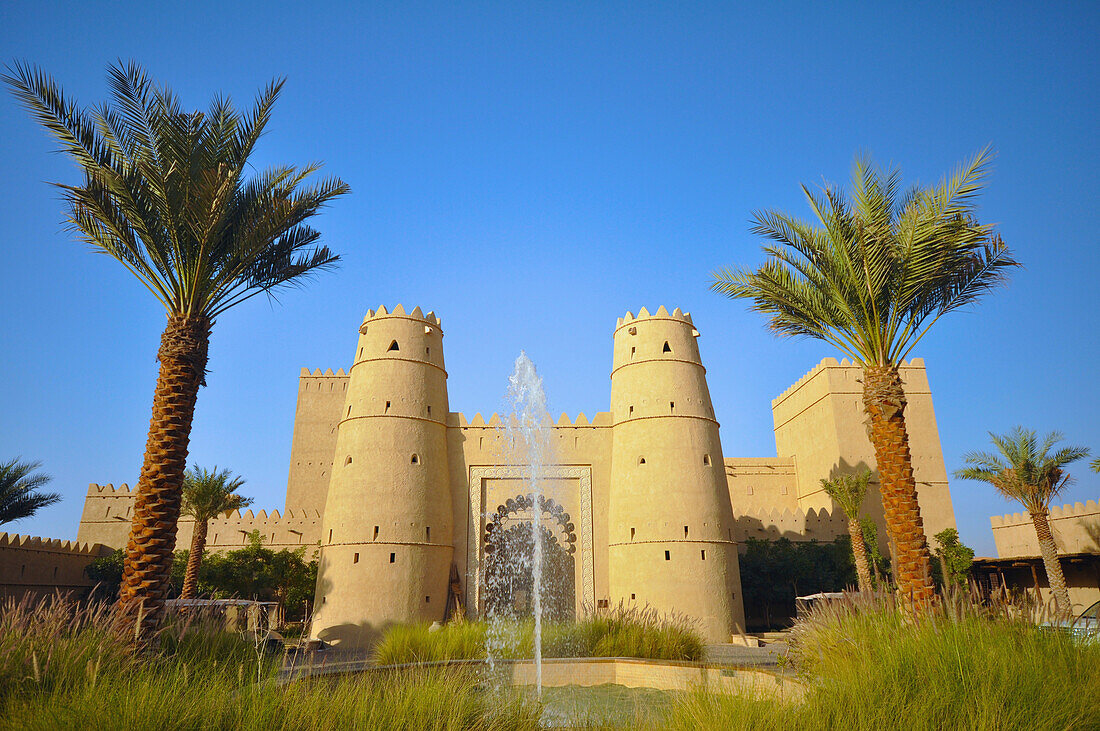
(868, 666)
(621, 632)
(66, 667)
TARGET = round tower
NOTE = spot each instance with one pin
(387, 535)
(670, 522)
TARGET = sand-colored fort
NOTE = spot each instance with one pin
(645, 507)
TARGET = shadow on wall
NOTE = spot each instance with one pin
(872, 503)
(1092, 529)
(363, 636)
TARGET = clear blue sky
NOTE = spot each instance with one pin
(533, 170)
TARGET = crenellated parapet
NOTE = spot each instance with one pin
(601, 419)
(399, 311)
(50, 545)
(827, 363)
(794, 524)
(33, 567)
(660, 314)
(1076, 529)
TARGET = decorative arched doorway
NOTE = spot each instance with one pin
(508, 581)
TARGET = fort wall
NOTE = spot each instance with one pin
(395, 489)
(387, 539)
(109, 509)
(819, 424)
(1076, 529)
(670, 522)
(35, 567)
(316, 416)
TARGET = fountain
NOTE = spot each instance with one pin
(527, 430)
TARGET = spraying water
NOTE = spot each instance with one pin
(529, 430)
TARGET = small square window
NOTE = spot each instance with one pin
(393, 557)
(668, 556)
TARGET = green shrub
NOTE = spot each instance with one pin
(62, 666)
(867, 666)
(619, 632)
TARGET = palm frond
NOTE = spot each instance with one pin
(875, 273)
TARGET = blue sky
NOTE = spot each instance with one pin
(533, 170)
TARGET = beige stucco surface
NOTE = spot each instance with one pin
(432, 514)
(34, 568)
(1076, 529)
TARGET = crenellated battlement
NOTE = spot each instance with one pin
(813, 524)
(316, 373)
(109, 490)
(399, 311)
(55, 545)
(830, 362)
(495, 420)
(1058, 512)
(660, 314)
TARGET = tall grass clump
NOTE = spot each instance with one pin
(412, 643)
(867, 665)
(66, 666)
(618, 632)
(52, 644)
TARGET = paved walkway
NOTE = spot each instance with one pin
(760, 657)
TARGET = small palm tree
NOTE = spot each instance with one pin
(1095, 465)
(1026, 471)
(165, 192)
(848, 492)
(871, 280)
(19, 495)
(206, 494)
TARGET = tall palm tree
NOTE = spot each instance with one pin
(870, 277)
(19, 494)
(848, 491)
(1026, 471)
(165, 192)
(206, 494)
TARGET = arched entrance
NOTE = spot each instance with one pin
(508, 580)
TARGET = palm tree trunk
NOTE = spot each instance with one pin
(194, 560)
(884, 402)
(148, 561)
(859, 550)
(1049, 549)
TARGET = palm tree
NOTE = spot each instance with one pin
(871, 280)
(848, 492)
(1026, 471)
(206, 494)
(165, 193)
(19, 495)
(1095, 465)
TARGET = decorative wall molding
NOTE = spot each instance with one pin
(478, 511)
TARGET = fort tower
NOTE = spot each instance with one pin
(387, 537)
(670, 522)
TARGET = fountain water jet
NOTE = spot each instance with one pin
(527, 429)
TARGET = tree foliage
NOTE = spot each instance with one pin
(167, 191)
(253, 572)
(955, 557)
(773, 573)
(209, 493)
(20, 496)
(1025, 470)
(877, 271)
(848, 490)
